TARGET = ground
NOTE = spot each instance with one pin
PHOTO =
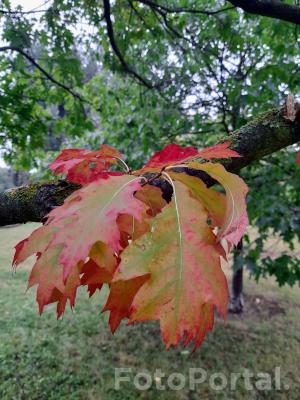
(75, 358)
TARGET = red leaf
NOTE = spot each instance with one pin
(161, 261)
(84, 166)
(152, 197)
(90, 215)
(100, 268)
(72, 234)
(220, 150)
(47, 273)
(70, 290)
(172, 154)
(298, 157)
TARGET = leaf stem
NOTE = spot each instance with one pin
(127, 169)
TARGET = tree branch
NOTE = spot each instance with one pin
(270, 8)
(268, 133)
(45, 73)
(113, 43)
(181, 10)
(33, 202)
(20, 12)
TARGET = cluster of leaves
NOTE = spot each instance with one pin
(161, 260)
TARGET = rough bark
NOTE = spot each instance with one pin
(266, 134)
(32, 202)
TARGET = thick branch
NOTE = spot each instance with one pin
(270, 8)
(33, 202)
(268, 133)
(181, 10)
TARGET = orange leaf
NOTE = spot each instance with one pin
(181, 256)
(120, 299)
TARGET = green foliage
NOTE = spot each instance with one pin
(274, 208)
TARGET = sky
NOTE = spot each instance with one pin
(28, 4)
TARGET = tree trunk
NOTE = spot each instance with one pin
(236, 304)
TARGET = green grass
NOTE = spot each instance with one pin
(74, 358)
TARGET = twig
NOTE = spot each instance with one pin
(45, 73)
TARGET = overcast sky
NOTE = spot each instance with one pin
(28, 4)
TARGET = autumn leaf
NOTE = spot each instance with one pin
(70, 290)
(181, 256)
(153, 198)
(174, 154)
(90, 215)
(235, 220)
(36, 243)
(100, 267)
(298, 157)
(170, 155)
(213, 201)
(84, 166)
(73, 232)
(120, 299)
(220, 150)
(47, 273)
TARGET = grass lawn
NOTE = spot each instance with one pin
(75, 358)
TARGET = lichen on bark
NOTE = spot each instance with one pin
(32, 202)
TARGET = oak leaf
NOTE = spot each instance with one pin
(181, 257)
(220, 150)
(84, 166)
(235, 219)
(170, 155)
(68, 244)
